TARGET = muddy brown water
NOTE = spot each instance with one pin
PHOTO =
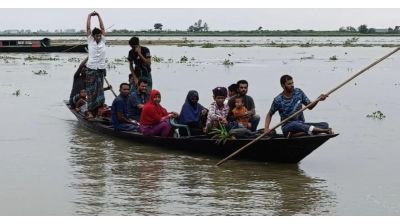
(52, 166)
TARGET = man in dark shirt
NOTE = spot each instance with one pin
(137, 100)
(289, 102)
(248, 101)
(119, 111)
(141, 57)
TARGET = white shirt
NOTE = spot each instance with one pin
(97, 53)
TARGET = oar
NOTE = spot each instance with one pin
(111, 87)
(306, 107)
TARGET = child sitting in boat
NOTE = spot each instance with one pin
(81, 104)
(218, 110)
(241, 114)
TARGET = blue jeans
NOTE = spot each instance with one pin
(128, 127)
(301, 126)
(254, 120)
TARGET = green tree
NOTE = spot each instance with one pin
(158, 26)
(363, 29)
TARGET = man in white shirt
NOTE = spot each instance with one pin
(96, 65)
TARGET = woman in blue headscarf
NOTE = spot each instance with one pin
(193, 114)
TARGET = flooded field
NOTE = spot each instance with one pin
(52, 166)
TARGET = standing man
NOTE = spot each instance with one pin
(141, 57)
(248, 102)
(96, 64)
(137, 100)
(289, 102)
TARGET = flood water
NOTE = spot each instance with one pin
(50, 165)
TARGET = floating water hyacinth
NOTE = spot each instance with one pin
(227, 62)
(376, 115)
(157, 59)
(333, 58)
(184, 59)
(17, 92)
(40, 72)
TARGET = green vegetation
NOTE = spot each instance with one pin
(17, 92)
(40, 72)
(333, 58)
(376, 115)
(183, 59)
(208, 45)
(41, 58)
(157, 59)
(220, 134)
(227, 62)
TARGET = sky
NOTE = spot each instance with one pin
(237, 17)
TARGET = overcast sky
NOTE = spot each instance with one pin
(217, 19)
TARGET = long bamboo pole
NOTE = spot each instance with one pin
(306, 107)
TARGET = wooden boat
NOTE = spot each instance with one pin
(277, 149)
(39, 46)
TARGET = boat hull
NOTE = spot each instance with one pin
(81, 48)
(277, 150)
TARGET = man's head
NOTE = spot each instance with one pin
(96, 33)
(130, 78)
(220, 94)
(142, 85)
(124, 89)
(134, 42)
(287, 83)
(243, 86)
(232, 90)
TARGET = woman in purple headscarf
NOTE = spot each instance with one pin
(193, 113)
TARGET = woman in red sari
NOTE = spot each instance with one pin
(154, 119)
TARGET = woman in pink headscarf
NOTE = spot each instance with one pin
(154, 119)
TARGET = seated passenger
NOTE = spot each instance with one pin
(154, 119)
(119, 111)
(248, 103)
(137, 100)
(218, 110)
(81, 104)
(241, 114)
(78, 83)
(193, 114)
(288, 103)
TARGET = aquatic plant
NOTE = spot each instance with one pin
(208, 45)
(333, 58)
(35, 58)
(376, 115)
(307, 57)
(17, 92)
(221, 134)
(157, 59)
(40, 72)
(183, 59)
(227, 62)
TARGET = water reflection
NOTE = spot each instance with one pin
(116, 177)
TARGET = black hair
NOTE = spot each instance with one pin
(242, 82)
(233, 87)
(96, 31)
(285, 78)
(130, 76)
(134, 41)
(142, 80)
(123, 84)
